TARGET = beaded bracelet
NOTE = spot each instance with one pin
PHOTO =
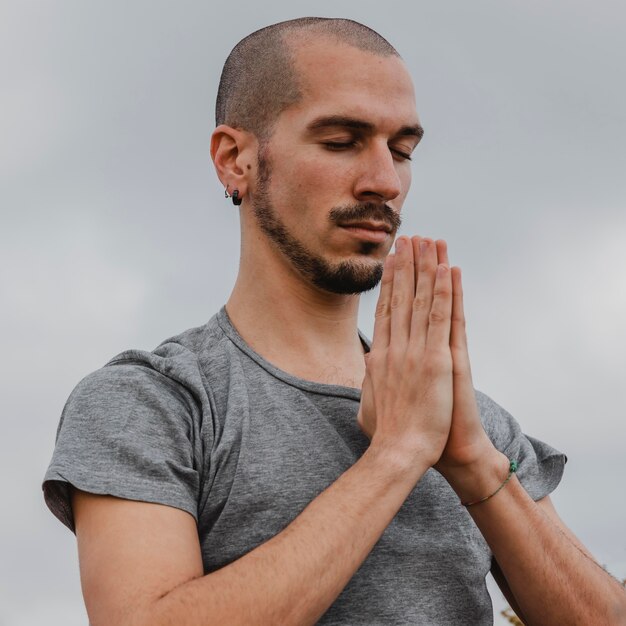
(512, 470)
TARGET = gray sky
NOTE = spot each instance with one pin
(115, 233)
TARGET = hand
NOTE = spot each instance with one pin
(407, 393)
(467, 444)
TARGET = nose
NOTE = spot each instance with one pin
(377, 178)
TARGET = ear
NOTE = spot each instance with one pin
(234, 156)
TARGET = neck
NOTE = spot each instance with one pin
(296, 326)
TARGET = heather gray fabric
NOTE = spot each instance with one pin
(206, 425)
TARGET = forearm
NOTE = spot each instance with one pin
(552, 579)
(294, 577)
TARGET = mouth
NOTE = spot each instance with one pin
(367, 225)
(376, 232)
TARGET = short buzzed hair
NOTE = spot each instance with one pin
(259, 79)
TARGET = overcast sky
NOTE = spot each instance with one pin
(115, 232)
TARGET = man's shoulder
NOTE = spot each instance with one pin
(182, 350)
(184, 360)
(197, 340)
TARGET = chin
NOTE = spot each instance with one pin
(348, 277)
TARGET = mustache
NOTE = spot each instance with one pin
(367, 211)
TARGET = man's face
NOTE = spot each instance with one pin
(334, 174)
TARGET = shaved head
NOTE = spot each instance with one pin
(259, 80)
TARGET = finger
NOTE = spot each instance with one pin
(442, 252)
(403, 292)
(415, 242)
(422, 303)
(440, 317)
(382, 318)
(458, 337)
(464, 394)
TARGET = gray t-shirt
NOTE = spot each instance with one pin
(206, 425)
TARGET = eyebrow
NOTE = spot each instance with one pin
(350, 122)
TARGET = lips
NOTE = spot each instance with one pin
(374, 232)
(366, 225)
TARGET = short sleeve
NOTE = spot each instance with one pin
(128, 431)
(540, 466)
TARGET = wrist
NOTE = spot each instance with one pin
(397, 462)
(479, 479)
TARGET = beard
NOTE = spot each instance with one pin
(344, 277)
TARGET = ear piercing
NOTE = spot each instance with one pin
(235, 197)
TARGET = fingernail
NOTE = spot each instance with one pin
(423, 245)
(399, 244)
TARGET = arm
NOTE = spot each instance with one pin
(552, 577)
(141, 563)
(548, 508)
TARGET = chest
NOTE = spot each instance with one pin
(276, 449)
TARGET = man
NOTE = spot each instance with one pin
(262, 469)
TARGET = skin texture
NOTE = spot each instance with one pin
(140, 562)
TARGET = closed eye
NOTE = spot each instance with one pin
(339, 145)
(346, 145)
(402, 155)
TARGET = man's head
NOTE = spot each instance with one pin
(316, 122)
(259, 79)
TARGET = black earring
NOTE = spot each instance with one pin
(236, 199)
